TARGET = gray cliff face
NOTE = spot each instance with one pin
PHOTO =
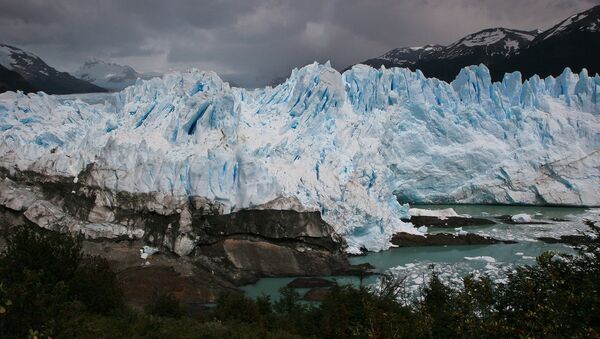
(239, 247)
(277, 225)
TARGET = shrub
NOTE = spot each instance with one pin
(350, 312)
(164, 305)
(53, 255)
(288, 302)
(556, 297)
(96, 285)
(45, 274)
(237, 307)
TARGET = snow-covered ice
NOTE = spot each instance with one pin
(347, 145)
(147, 251)
(521, 218)
(417, 275)
(482, 258)
(441, 213)
(530, 233)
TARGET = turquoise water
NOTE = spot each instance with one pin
(452, 263)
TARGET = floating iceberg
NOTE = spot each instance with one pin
(441, 213)
(350, 145)
(521, 218)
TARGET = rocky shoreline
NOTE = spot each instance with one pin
(202, 252)
(448, 222)
(403, 239)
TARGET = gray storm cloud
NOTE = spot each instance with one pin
(253, 41)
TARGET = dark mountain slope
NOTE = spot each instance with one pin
(13, 81)
(41, 76)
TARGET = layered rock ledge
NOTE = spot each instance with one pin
(202, 251)
(448, 222)
(403, 239)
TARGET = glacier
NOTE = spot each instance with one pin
(357, 147)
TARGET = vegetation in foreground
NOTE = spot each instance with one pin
(48, 288)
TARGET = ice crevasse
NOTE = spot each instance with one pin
(355, 146)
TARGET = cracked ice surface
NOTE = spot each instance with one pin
(343, 144)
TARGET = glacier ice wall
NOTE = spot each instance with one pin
(347, 145)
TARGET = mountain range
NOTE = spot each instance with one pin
(108, 75)
(574, 43)
(25, 71)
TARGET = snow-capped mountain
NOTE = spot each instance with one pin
(406, 56)
(39, 75)
(588, 21)
(350, 145)
(574, 42)
(109, 75)
(444, 62)
(489, 43)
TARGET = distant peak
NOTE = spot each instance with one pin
(19, 51)
(10, 47)
(491, 36)
(418, 48)
(425, 48)
(588, 20)
(93, 61)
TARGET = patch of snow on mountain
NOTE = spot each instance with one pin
(511, 45)
(17, 59)
(566, 23)
(527, 36)
(484, 38)
(6, 59)
(594, 26)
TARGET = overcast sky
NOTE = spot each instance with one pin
(253, 41)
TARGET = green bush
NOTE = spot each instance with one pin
(559, 296)
(556, 297)
(96, 285)
(350, 312)
(48, 288)
(238, 308)
(45, 274)
(54, 256)
(164, 305)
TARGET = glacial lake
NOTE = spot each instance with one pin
(416, 264)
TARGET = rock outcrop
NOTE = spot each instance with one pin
(403, 239)
(234, 249)
(448, 222)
